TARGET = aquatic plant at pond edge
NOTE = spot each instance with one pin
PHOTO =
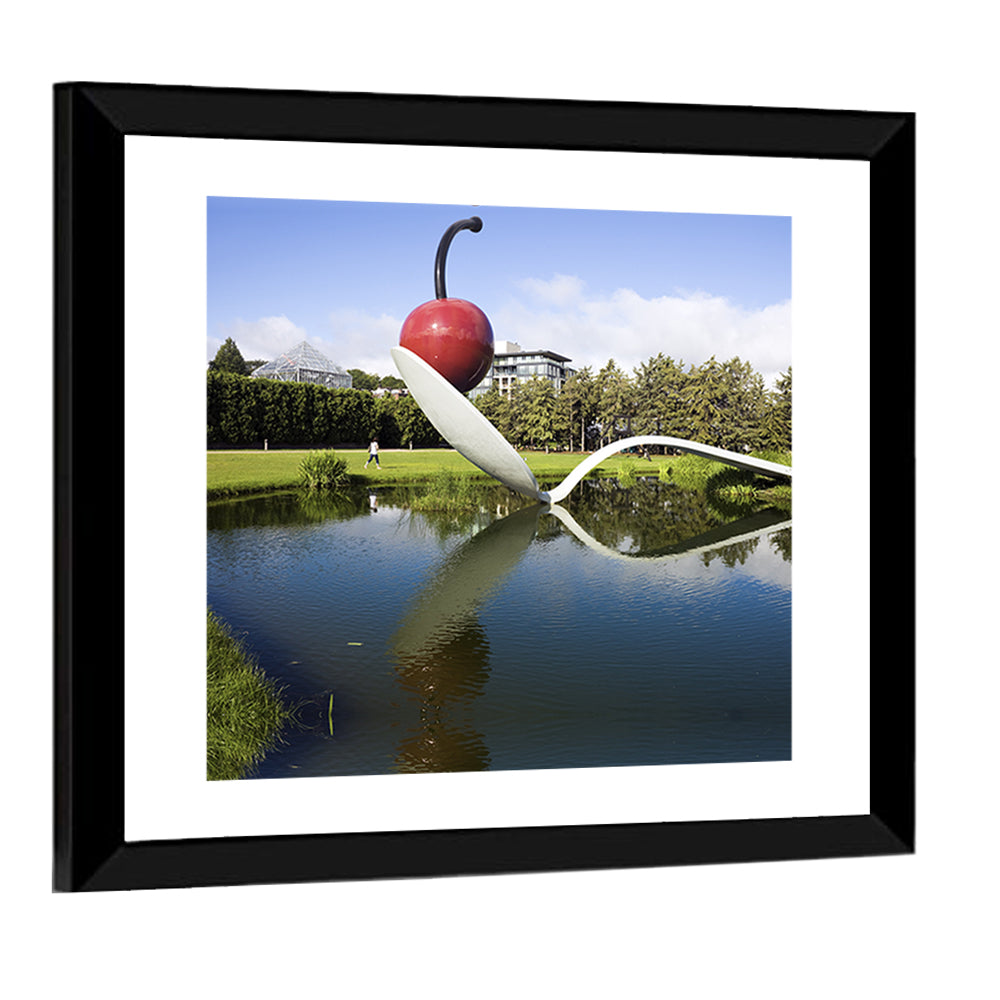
(693, 472)
(449, 491)
(739, 492)
(246, 710)
(324, 470)
(627, 470)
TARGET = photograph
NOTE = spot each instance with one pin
(495, 488)
(453, 477)
(410, 585)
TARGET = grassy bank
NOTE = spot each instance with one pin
(235, 473)
(246, 711)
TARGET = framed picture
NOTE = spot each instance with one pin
(141, 175)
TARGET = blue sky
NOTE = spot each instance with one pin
(591, 285)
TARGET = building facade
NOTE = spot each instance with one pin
(513, 364)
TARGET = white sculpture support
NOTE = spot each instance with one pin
(705, 450)
(472, 435)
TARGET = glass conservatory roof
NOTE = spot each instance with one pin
(301, 357)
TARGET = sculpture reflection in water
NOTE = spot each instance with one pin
(442, 652)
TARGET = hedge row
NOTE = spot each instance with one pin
(244, 412)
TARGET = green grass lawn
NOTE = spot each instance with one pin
(233, 473)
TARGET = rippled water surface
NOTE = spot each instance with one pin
(627, 627)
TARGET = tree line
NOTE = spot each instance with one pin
(245, 412)
(725, 404)
(720, 403)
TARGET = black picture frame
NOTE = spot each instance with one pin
(91, 122)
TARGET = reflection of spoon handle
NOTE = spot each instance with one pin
(567, 519)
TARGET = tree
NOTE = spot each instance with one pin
(228, 359)
(725, 405)
(700, 399)
(491, 404)
(778, 418)
(500, 409)
(741, 406)
(362, 380)
(658, 384)
(537, 410)
(386, 430)
(415, 430)
(576, 408)
(616, 402)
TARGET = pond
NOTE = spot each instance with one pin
(630, 625)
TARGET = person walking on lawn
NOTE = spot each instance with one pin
(373, 454)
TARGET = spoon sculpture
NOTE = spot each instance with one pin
(458, 421)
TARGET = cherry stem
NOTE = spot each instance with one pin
(475, 224)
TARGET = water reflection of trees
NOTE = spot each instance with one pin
(305, 507)
(645, 517)
(739, 552)
(649, 519)
(731, 555)
(298, 507)
(781, 542)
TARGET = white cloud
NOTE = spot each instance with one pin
(689, 327)
(263, 338)
(360, 340)
(560, 315)
(561, 290)
(352, 339)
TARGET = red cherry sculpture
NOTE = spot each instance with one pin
(452, 335)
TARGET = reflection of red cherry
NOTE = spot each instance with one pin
(453, 336)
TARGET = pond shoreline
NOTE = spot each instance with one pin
(232, 474)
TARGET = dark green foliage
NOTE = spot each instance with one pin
(244, 412)
(576, 409)
(724, 404)
(365, 380)
(228, 359)
(415, 430)
(537, 412)
(362, 380)
(778, 417)
(386, 429)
